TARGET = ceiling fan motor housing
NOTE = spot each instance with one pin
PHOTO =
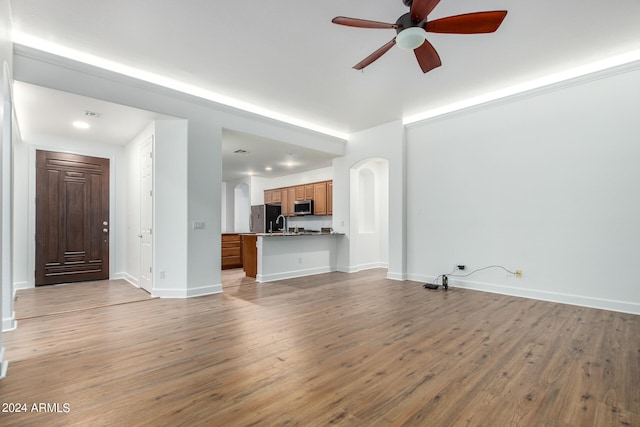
(405, 22)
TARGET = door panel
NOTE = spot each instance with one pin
(146, 215)
(72, 218)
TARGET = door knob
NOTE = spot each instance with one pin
(104, 230)
(105, 223)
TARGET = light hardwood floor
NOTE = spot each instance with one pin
(48, 300)
(333, 349)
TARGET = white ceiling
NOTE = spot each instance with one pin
(287, 56)
(51, 112)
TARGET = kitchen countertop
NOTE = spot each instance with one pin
(293, 234)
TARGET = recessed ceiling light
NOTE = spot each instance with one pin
(289, 164)
(268, 168)
(81, 125)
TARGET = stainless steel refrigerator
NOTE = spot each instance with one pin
(263, 217)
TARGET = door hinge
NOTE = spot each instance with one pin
(150, 269)
(150, 154)
(150, 231)
(150, 193)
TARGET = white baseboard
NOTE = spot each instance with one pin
(396, 276)
(582, 301)
(21, 285)
(9, 323)
(128, 278)
(4, 365)
(346, 269)
(187, 293)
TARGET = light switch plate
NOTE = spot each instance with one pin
(198, 225)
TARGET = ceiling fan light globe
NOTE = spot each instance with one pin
(411, 38)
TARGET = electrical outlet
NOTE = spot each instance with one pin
(519, 274)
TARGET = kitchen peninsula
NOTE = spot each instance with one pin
(276, 256)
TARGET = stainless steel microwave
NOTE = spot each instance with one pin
(303, 207)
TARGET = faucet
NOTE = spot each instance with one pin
(284, 222)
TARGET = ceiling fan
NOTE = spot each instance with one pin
(412, 28)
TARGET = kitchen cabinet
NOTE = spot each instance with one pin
(291, 200)
(284, 201)
(276, 196)
(320, 192)
(231, 251)
(329, 197)
(308, 192)
(250, 255)
(320, 198)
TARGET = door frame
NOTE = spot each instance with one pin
(114, 226)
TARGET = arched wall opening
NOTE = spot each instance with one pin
(369, 218)
(241, 207)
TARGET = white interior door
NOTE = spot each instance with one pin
(146, 215)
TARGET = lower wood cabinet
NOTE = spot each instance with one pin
(231, 251)
(250, 255)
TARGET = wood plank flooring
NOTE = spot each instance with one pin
(332, 349)
(47, 300)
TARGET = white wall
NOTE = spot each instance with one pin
(8, 140)
(5, 58)
(241, 208)
(381, 142)
(171, 222)
(547, 184)
(229, 204)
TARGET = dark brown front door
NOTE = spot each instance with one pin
(72, 218)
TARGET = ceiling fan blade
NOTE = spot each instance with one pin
(469, 23)
(361, 23)
(375, 55)
(421, 8)
(427, 56)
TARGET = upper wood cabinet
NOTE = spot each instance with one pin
(329, 197)
(320, 192)
(284, 201)
(291, 199)
(308, 192)
(320, 198)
